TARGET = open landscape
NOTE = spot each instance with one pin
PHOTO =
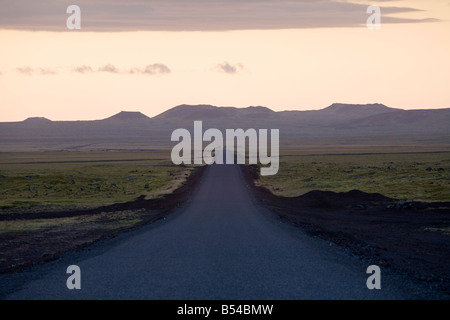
(381, 194)
(241, 151)
(56, 202)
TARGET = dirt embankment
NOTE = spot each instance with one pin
(22, 249)
(410, 237)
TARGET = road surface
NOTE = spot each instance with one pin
(221, 245)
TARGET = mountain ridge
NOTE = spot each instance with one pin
(347, 122)
(127, 116)
(211, 110)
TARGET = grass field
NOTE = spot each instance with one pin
(401, 173)
(52, 181)
(85, 178)
(93, 178)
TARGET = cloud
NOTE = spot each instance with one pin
(109, 68)
(83, 69)
(195, 15)
(39, 71)
(151, 69)
(228, 68)
(156, 68)
(46, 71)
(25, 70)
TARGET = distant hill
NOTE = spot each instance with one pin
(127, 116)
(208, 112)
(37, 120)
(361, 109)
(352, 122)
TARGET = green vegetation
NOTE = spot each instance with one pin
(445, 231)
(99, 221)
(85, 178)
(49, 181)
(36, 181)
(409, 176)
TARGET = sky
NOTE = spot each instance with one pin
(150, 56)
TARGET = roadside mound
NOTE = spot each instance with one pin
(330, 199)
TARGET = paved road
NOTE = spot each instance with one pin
(219, 246)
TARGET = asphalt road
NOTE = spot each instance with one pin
(221, 245)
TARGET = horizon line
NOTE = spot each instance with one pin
(214, 106)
